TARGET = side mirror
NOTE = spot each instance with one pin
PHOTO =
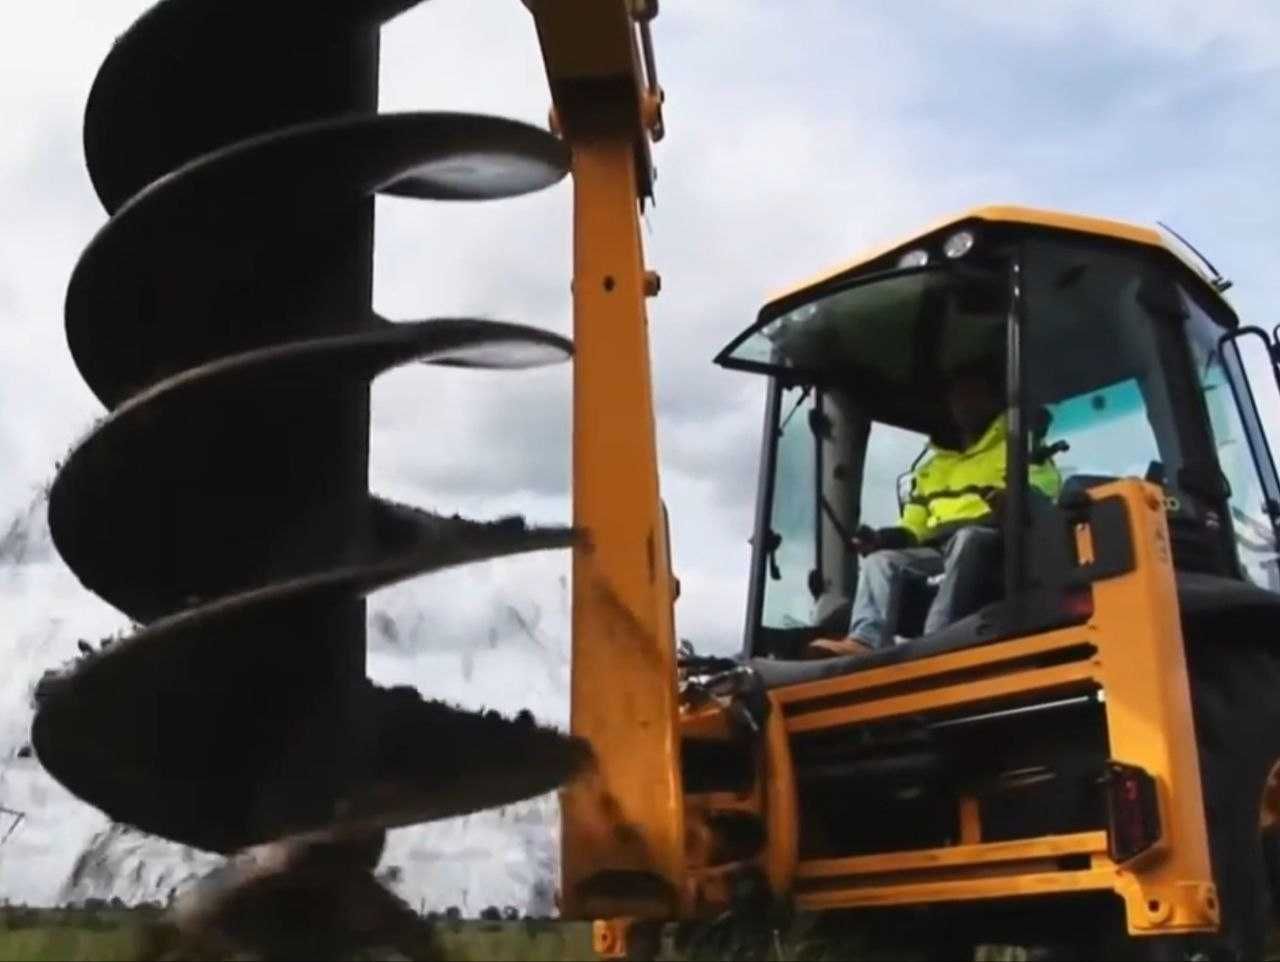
(1255, 352)
(1251, 362)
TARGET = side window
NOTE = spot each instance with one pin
(1109, 432)
(891, 452)
(1228, 378)
(1244, 453)
(793, 517)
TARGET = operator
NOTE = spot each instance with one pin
(953, 517)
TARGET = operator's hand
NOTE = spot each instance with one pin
(995, 500)
(865, 540)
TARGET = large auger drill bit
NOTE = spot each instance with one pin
(223, 316)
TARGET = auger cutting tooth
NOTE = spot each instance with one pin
(223, 316)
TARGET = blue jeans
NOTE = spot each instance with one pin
(964, 557)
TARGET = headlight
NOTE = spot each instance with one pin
(783, 324)
(914, 258)
(958, 244)
(773, 330)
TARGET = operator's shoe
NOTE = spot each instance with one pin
(836, 648)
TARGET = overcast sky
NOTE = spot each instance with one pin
(799, 131)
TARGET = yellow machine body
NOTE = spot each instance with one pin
(1130, 650)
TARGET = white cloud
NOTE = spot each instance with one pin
(1246, 29)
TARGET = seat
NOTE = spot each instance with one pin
(916, 585)
(983, 618)
(979, 628)
(912, 592)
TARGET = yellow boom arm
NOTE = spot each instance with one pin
(623, 828)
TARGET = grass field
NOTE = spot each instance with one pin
(133, 935)
(119, 935)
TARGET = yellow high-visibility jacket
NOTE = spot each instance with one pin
(952, 486)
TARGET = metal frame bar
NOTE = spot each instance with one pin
(1015, 515)
(961, 890)
(864, 682)
(763, 518)
(1060, 679)
(985, 853)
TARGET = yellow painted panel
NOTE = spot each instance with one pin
(1051, 846)
(925, 668)
(629, 816)
(585, 38)
(963, 890)
(1148, 704)
(1007, 214)
(1063, 678)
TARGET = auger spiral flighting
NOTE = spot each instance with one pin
(223, 316)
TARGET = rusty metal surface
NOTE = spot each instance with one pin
(223, 316)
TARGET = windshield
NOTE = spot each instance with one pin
(871, 358)
(790, 547)
(890, 338)
(1096, 358)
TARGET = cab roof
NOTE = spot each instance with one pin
(1012, 214)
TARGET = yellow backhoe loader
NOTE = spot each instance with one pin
(1097, 732)
(1084, 754)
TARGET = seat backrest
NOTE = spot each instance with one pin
(916, 585)
(1077, 484)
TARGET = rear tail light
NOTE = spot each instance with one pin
(1133, 811)
(1078, 603)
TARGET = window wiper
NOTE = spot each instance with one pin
(835, 521)
(800, 400)
(772, 542)
(1219, 282)
(817, 581)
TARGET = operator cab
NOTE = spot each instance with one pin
(1120, 360)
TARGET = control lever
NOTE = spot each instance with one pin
(1043, 452)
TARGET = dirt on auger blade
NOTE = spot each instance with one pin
(428, 760)
(315, 895)
(247, 719)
